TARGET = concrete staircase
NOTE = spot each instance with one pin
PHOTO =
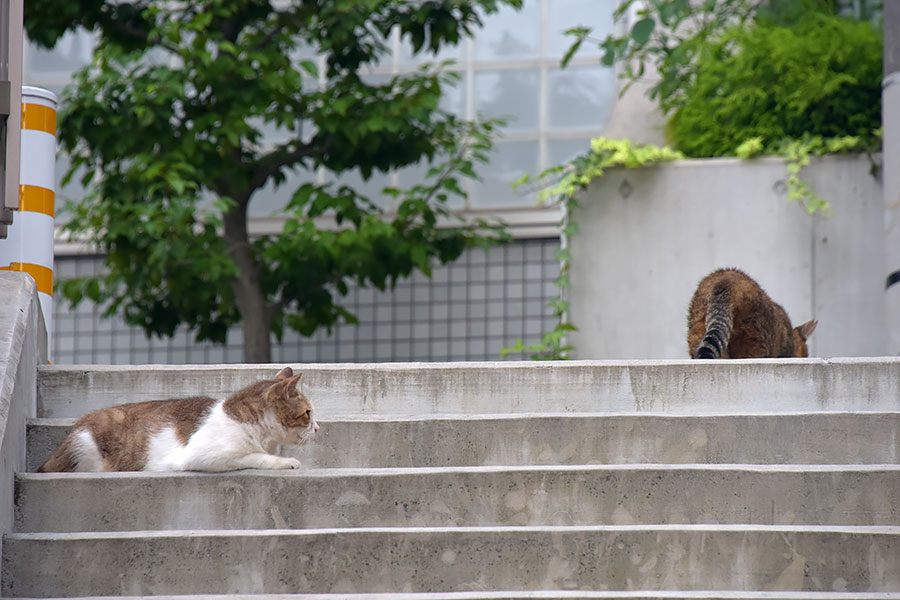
(638, 480)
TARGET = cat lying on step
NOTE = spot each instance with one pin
(730, 316)
(193, 434)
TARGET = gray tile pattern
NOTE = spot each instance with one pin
(468, 310)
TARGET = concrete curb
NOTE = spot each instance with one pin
(526, 439)
(521, 595)
(670, 387)
(651, 557)
(461, 496)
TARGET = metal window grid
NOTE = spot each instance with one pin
(468, 310)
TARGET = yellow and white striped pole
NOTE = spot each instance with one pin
(29, 243)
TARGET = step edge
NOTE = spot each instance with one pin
(361, 472)
(888, 530)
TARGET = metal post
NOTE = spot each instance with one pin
(11, 17)
(29, 243)
(890, 101)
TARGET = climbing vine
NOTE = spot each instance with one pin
(562, 186)
(798, 153)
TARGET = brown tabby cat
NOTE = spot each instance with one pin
(730, 316)
(192, 434)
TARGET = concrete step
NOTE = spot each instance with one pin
(543, 439)
(477, 481)
(540, 595)
(461, 496)
(683, 557)
(674, 387)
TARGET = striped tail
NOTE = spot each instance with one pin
(718, 323)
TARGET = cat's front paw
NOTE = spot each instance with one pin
(290, 463)
(268, 461)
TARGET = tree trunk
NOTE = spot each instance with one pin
(248, 294)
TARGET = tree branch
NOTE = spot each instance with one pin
(270, 35)
(448, 169)
(126, 28)
(281, 157)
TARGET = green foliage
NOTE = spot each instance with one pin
(667, 38)
(166, 128)
(796, 78)
(605, 154)
(818, 77)
(798, 154)
(567, 181)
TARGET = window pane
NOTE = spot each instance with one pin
(581, 98)
(269, 200)
(509, 161)
(415, 175)
(72, 52)
(73, 191)
(405, 55)
(370, 188)
(453, 97)
(510, 34)
(510, 95)
(565, 14)
(562, 151)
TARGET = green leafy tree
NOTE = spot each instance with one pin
(165, 127)
(667, 40)
(820, 76)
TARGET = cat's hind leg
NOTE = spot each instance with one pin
(86, 452)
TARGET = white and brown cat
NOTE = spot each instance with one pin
(193, 434)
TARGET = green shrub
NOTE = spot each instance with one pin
(820, 76)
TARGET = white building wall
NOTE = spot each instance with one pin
(648, 236)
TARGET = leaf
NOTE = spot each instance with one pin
(516, 348)
(580, 34)
(310, 67)
(642, 30)
(750, 148)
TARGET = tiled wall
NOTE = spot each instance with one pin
(468, 310)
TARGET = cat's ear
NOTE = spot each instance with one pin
(806, 329)
(285, 373)
(293, 381)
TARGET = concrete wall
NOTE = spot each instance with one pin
(635, 116)
(648, 236)
(23, 345)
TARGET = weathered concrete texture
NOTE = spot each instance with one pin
(577, 439)
(457, 559)
(800, 531)
(23, 345)
(538, 595)
(461, 496)
(648, 236)
(674, 387)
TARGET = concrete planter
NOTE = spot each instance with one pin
(647, 237)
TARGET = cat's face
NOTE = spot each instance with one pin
(292, 409)
(801, 333)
